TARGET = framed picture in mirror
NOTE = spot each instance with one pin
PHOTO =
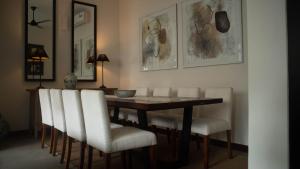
(40, 50)
(84, 33)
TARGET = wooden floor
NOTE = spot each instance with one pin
(20, 152)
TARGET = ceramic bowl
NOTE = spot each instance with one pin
(125, 93)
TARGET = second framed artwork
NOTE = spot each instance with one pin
(212, 32)
(84, 40)
(158, 38)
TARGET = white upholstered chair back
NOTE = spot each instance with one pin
(192, 92)
(162, 92)
(188, 92)
(96, 119)
(58, 109)
(73, 114)
(142, 92)
(221, 111)
(46, 111)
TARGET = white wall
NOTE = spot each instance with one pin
(234, 75)
(14, 100)
(268, 102)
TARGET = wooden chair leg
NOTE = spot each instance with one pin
(152, 155)
(174, 143)
(51, 139)
(55, 137)
(100, 153)
(205, 151)
(123, 156)
(169, 135)
(197, 142)
(64, 141)
(43, 135)
(130, 159)
(90, 157)
(82, 154)
(70, 140)
(107, 161)
(228, 132)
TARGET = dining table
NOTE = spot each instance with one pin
(142, 105)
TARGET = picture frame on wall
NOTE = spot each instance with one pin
(158, 40)
(84, 41)
(211, 32)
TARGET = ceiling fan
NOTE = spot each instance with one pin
(35, 23)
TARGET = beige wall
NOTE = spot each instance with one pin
(13, 97)
(268, 87)
(234, 75)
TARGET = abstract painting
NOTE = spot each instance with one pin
(83, 49)
(159, 40)
(212, 32)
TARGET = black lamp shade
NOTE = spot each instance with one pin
(102, 58)
(40, 54)
(91, 60)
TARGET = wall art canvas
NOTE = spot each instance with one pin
(83, 49)
(212, 32)
(158, 34)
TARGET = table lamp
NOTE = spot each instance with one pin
(90, 60)
(102, 58)
(40, 55)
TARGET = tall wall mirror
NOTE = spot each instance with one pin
(40, 16)
(84, 33)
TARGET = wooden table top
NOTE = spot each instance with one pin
(158, 103)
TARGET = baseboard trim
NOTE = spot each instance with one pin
(221, 143)
(235, 146)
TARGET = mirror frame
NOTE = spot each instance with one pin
(95, 39)
(53, 44)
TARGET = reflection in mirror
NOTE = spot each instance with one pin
(84, 41)
(40, 36)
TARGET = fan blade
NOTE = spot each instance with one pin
(43, 21)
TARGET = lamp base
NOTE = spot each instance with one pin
(102, 87)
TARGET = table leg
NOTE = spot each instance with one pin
(31, 113)
(143, 121)
(116, 114)
(185, 137)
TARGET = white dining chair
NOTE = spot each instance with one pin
(109, 140)
(132, 114)
(58, 120)
(214, 119)
(74, 123)
(162, 118)
(47, 116)
(171, 117)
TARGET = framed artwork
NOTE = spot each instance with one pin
(212, 32)
(84, 41)
(158, 40)
(40, 32)
(83, 49)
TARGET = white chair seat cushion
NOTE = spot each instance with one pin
(132, 117)
(163, 121)
(207, 126)
(126, 138)
(122, 115)
(114, 125)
